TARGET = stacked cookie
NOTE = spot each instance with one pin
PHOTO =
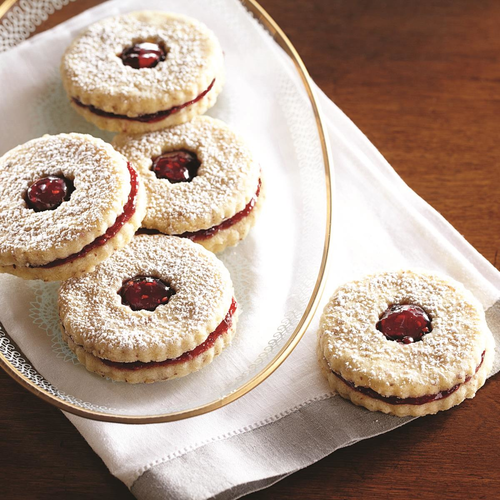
(136, 307)
(405, 343)
(201, 181)
(68, 202)
(160, 308)
(143, 71)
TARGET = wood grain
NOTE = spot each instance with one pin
(422, 81)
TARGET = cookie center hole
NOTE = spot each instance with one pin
(143, 55)
(48, 193)
(404, 323)
(176, 166)
(145, 292)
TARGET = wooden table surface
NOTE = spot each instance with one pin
(422, 81)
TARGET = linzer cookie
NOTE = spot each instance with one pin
(143, 71)
(66, 203)
(405, 343)
(158, 309)
(201, 181)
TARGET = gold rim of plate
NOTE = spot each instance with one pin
(279, 36)
(5, 7)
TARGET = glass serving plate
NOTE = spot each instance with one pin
(278, 271)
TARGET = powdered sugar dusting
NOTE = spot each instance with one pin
(226, 180)
(93, 69)
(94, 316)
(354, 347)
(102, 185)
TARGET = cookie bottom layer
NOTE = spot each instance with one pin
(156, 373)
(465, 391)
(87, 262)
(137, 127)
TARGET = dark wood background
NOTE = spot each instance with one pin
(422, 81)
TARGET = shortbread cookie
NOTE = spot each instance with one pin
(405, 343)
(201, 180)
(158, 309)
(66, 203)
(143, 71)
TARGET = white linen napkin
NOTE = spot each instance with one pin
(291, 420)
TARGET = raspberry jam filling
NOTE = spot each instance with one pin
(404, 323)
(420, 400)
(224, 326)
(125, 216)
(143, 55)
(149, 118)
(176, 166)
(48, 193)
(204, 234)
(145, 292)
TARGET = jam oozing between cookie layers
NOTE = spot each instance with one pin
(124, 217)
(404, 323)
(145, 292)
(48, 193)
(420, 400)
(204, 234)
(176, 166)
(143, 55)
(148, 118)
(223, 327)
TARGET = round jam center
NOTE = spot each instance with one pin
(144, 292)
(143, 55)
(176, 166)
(404, 323)
(48, 193)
